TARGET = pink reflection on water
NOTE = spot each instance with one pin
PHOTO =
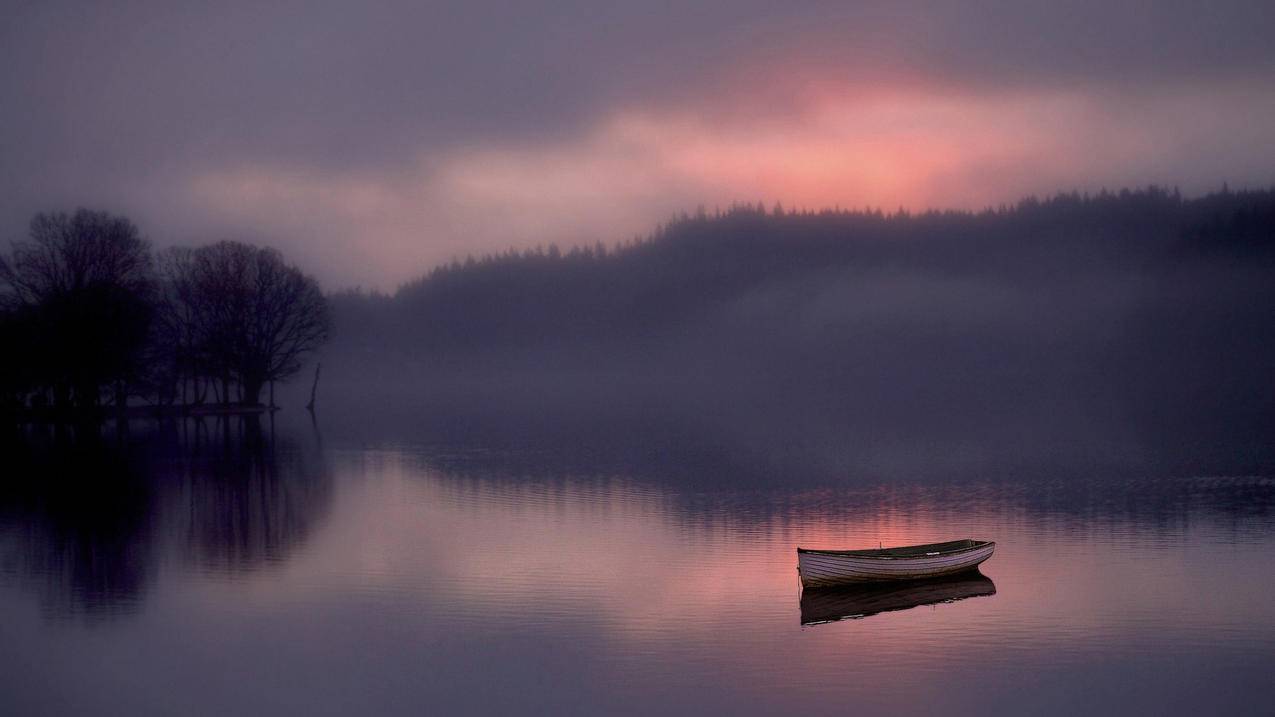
(677, 593)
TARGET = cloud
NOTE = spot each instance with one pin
(371, 143)
(635, 167)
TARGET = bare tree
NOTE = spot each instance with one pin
(85, 280)
(287, 318)
(68, 253)
(238, 313)
(177, 357)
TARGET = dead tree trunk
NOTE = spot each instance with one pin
(314, 387)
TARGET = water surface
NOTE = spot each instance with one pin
(214, 569)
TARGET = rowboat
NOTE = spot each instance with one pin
(910, 562)
(852, 602)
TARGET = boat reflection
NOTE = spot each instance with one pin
(851, 602)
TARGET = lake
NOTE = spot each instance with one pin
(339, 568)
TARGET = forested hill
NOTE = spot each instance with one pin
(1117, 327)
(770, 264)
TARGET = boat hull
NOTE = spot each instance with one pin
(820, 568)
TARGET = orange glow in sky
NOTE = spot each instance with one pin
(826, 146)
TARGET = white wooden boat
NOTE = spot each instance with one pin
(860, 600)
(910, 562)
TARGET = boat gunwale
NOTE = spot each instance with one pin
(868, 553)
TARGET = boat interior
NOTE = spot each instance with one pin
(907, 550)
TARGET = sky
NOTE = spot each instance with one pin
(371, 141)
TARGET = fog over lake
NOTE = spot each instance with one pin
(341, 567)
(746, 358)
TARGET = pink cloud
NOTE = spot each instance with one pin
(832, 144)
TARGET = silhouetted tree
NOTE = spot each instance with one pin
(17, 371)
(71, 252)
(177, 358)
(83, 284)
(238, 313)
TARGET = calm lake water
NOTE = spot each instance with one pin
(195, 570)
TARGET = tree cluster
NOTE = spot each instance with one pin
(698, 263)
(1138, 313)
(91, 318)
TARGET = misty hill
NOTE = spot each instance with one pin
(1073, 321)
(701, 263)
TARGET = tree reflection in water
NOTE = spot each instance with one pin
(88, 516)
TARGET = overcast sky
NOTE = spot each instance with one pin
(369, 141)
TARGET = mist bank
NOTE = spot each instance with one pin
(1131, 328)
